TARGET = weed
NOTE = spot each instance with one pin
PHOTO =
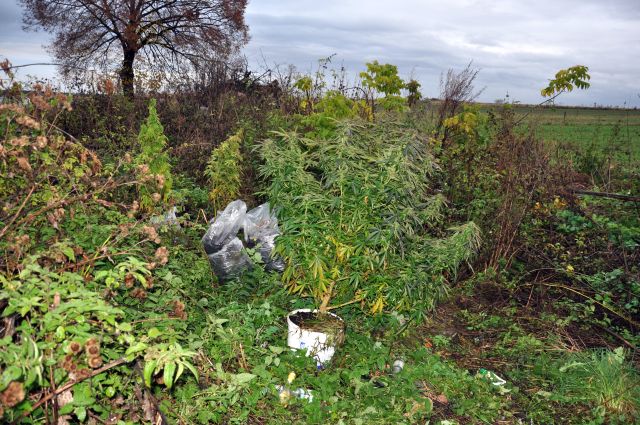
(224, 172)
(353, 215)
(153, 162)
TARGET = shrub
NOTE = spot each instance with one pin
(413, 87)
(74, 262)
(153, 161)
(224, 172)
(355, 211)
(456, 89)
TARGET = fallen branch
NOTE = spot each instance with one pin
(606, 307)
(607, 195)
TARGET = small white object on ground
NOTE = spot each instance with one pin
(398, 365)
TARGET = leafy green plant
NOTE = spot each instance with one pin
(153, 164)
(383, 78)
(305, 85)
(566, 79)
(171, 360)
(60, 324)
(224, 171)
(604, 379)
(354, 210)
(413, 87)
(72, 254)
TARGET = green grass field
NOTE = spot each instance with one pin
(611, 131)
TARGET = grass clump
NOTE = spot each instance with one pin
(604, 380)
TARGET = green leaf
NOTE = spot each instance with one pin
(192, 369)
(12, 373)
(154, 333)
(136, 348)
(82, 395)
(168, 374)
(242, 378)
(81, 413)
(110, 392)
(149, 367)
(276, 350)
(66, 409)
(180, 370)
(68, 251)
(126, 327)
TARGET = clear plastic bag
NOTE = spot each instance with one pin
(261, 229)
(231, 260)
(225, 249)
(224, 227)
(169, 219)
(258, 221)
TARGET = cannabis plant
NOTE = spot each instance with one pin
(153, 161)
(224, 172)
(358, 210)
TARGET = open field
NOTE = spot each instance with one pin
(616, 131)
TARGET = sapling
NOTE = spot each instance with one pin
(224, 172)
(384, 79)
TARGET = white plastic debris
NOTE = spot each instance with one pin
(397, 367)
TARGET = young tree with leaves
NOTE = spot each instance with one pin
(383, 78)
(168, 32)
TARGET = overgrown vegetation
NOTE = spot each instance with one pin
(458, 245)
(356, 210)
(224, 172)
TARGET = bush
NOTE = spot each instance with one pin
(224, 172)
(153, 160)
(356, 210)
(75, 266)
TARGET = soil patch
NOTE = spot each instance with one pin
(318, 322)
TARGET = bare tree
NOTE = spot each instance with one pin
(167, 32)
(455, 90)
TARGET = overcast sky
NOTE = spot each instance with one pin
(517, 44)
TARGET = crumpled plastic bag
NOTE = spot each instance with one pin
(224, 227)
(230, 260)
(261, 228)
(225, 249)
(169, 218)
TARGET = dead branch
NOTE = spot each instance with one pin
(628, 198)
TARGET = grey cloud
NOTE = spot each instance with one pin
(517, 44)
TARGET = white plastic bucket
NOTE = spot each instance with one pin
(317, 344)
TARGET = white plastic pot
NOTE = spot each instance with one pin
(320, 345)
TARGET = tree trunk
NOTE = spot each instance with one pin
(126, 73)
